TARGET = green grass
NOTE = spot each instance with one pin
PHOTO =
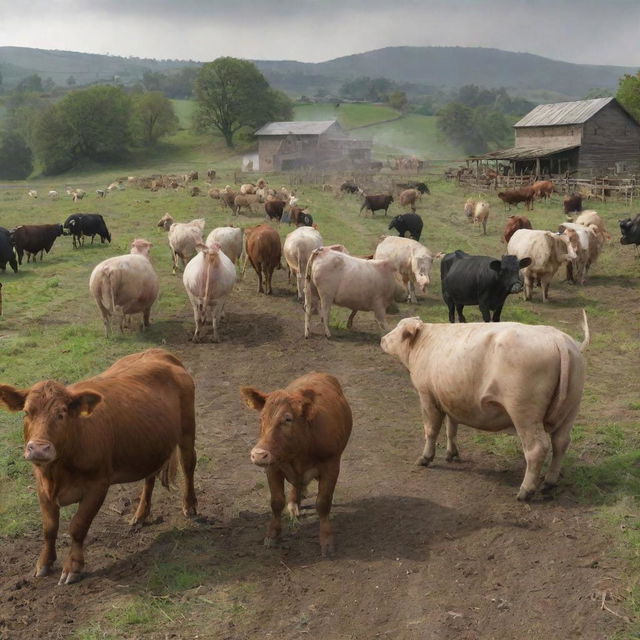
(348, 115)
(185, 110)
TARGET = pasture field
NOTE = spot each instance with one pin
(439, 553)
(348, 115)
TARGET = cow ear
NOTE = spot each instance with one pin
(12, 398)
(85, 402)
(253, 398)
(411, 332)
(495, 265)
(525, 262)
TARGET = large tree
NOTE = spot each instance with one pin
(16, 159)
(629, 94)
(232, 94)
(153, 116)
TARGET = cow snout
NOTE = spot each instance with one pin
(261, 457)
(39, 451)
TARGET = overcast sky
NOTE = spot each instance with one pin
(583, 31)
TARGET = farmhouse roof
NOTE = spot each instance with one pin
(299, 128)
(559, 113)
(525, 153)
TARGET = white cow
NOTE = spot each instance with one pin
(525, 377)
(547, 251)
(412, 260)
(208, 279)
(358, 284)
(126, 284)
(183, 238)
(580, 239)
(230, 240)
(481, 215)
(297, 248)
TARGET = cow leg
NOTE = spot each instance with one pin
(486, 313)
(187, 451)
(216, 314)
(293, 506)
(87, 510)
(145, 317)
(174, 260)
(535, 443)
(325, 311)
(452, 440)
(459, 308)
(326, 486)
(352, 315)
(496, 314)
(432, 418)
(300, 285)
(50, 522)
(258, 270)
(544, 286)
(93, 238)
(268, 274)
(275, 478)
(484, 227)
(379, 313)
(528, 286)
(144, 506)
(411, 286)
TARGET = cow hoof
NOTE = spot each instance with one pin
(453, 457)
(423, 461)
(547, 488)
(327, 550)
(271, 543)
(190, 512)
(43, 571)
(70, 578)
(525, 495)
(136, 525)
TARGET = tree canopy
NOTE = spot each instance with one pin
(629, 94)
(232, 94)
(153, 116)
(16, 159)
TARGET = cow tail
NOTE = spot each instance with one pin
(110, 299)
(169, 470)
(312, 257)
(560, 398)
(587, 334)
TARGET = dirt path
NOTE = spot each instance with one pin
(439, 553)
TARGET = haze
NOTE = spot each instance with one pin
(581, 31)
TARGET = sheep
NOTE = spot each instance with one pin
(214, 193)
(211, 174)
(32, 193)
(469, 209)
(101, 193)
(248, 200)
(247, 189)
(481, 214)
(53, 194)
(183, 238)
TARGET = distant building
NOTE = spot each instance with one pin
(586, 136)
(284, 146)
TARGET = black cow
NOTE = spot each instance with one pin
(34, 238)
(376, 203)
(349, 187)
(630, 230)
(86, 224)
(419, 186)
(479, 280)
(305, 220)
(410, 222)
(7, 253)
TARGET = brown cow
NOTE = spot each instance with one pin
(513, 224)
(542, 189)
(124, 425)
(34, 238)
(515, 196)
(264, 249)
(304, 429)
(572, 203)
(274, 209)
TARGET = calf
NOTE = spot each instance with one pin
(34, 238)
(274, 209)
(409, 197)
(411, 259)
(572, 203)
(7, 254)
(264, 250)
(376, 203)
(410, 222)
(349, 187)
(579, 238)
(304, 428)
(495, 377)
(87, 224)
(515, 196)
(208, 279)
(479, 280)
(630, 230)
(127, 424)
(356, 283)
(230, 240)
(513, 224)
(298, 246)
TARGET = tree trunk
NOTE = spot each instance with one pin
(228, 137)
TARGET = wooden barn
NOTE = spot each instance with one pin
(284, 146)
(584, 137)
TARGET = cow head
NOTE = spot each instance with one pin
(141, 247)
(50, 413)
(508, 270)
(165, 222)
(400, 341)
(566, 252)
(284, 424)
(421, 268)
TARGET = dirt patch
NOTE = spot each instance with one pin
(437, 553)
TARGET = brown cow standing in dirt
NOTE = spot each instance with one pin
(515, 196)
(304, 429)
(513, 224)
(126, 424)
(264, 249)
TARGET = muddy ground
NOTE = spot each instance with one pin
(439, 553)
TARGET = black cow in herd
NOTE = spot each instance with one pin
(376, 203)
(630, 230)
(479, 280)
(7, 254)
(410, 222)
(34, 238)
(87, 224)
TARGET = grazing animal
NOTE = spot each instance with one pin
(208, 279)
(304, 428)
(247, 189)
(547, 251)
(140, 246)
(542, 189)
(183, 238)
(580, 239)
(411, 259)
(53, 194)
(409, 197)
(194, 191)
(34, 238)
(264, 250)
(245, 201)
(630, 230)
(32, 193)
(469, 208)
(229, 197)
(590, 217)
(515, 196)
(494, 377)
(7, 254)
(230, 241)
(127, 424)
(298, 247)
(349, 187)
(334, 277)
(211, 174)
(305, 220)
(376, 203)
(127, 285)
(410, 222)
(214, 193)
(274, 209)
(572, 203)
(481, 215)
(87, 224)
(420, 186)
(513, 224)
(479, 280)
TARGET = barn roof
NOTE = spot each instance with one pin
(299, 128)
(524, 153)
(559, 113)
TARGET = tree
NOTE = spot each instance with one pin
(629, 94)
(31, 83)
(71, 81)
(153, 116)
(398, 100)
(232, 94)
(16, 159)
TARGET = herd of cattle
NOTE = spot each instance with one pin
(136, 419)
